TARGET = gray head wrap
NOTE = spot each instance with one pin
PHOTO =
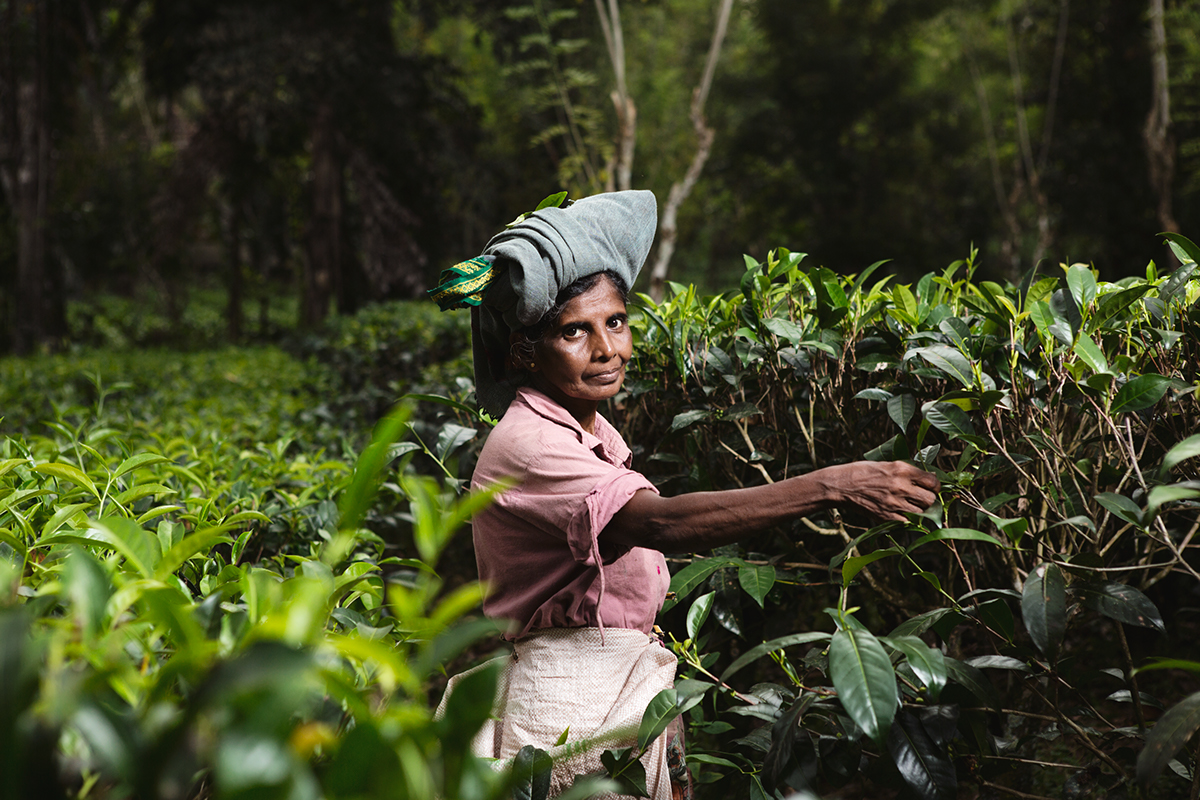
(545, 252)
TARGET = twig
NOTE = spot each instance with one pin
(1131, 674)
(1031, 761)
(1013, 792)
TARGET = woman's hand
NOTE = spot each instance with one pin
(886, 489)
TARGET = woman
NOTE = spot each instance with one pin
(573, 555)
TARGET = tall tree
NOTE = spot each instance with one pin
(25, 169)
(1160, 143)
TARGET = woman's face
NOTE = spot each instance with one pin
(581, 358)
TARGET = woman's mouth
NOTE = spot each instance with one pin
(608, 376)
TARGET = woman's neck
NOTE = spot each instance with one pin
(584, 411)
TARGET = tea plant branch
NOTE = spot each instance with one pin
(1187, 540)
(1013, 792)
(1031, 761)
(1084, 739)
(756, 465)
(767, 477)
(1138, 711)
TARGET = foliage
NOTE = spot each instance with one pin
(1059, 415)
(153, 648)
(200, 615)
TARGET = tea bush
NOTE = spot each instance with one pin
(1061, 416)
(213, 584)
(188, 610)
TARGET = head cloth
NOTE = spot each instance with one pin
(536, 258)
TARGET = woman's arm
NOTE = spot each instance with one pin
(703, 520)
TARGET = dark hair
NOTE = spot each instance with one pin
(525, 339)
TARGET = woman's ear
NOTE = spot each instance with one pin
(522, 353)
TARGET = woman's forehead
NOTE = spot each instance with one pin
(602, 298)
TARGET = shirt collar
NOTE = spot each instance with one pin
(607, 443)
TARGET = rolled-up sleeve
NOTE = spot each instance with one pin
(571, 493)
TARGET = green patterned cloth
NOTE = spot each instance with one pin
(464, 284)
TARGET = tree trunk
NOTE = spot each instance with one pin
(324, 232)
(1160, 143)
(37, 316)
(233, 308)
(614, 39)
(704, 139)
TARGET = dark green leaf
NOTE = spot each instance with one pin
(960, 534)
(688, 418)
(922, 763)
(1183, 245)
(1121, 506)
(1120, 602)
(763, 649)
(948, 360)
(901, 409)
(950, 420)
(531, 771)
(973, 681)
(1168, 736)
(865, 681)
(1044, 606)
(1140, 393)
(757, 580)
(927, 662)
(853, 565)
(1181, 451)
(783, 742)
(998, 662)
(694, 574)
(659, 712)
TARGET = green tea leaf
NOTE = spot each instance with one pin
(139, 461)
(1168, 736)
(950, 420)
(924, 765)
(948, 360)
(70, 474)
(1161, 495)
(854, 564)
(1140, 393)
(960, 534)
(757, 580)
(901, 409)
(659, 712)
(1091, 354)
(1082, 284)
(698, 613)
(687, 579)
(688, 418)
(973, 681)
(927, 662)
(865, 681)
(1044, 606)
(1121, 507)
(1188, 448)
(1120, 602)
(758, 651)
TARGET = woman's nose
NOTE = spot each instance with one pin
(605, 347)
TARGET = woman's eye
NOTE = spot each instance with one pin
(571, 331)
(616, 323)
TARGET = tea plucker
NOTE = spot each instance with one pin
(573, 554)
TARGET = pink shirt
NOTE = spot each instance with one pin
(537, 545)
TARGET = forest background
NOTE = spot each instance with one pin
(318, 156)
